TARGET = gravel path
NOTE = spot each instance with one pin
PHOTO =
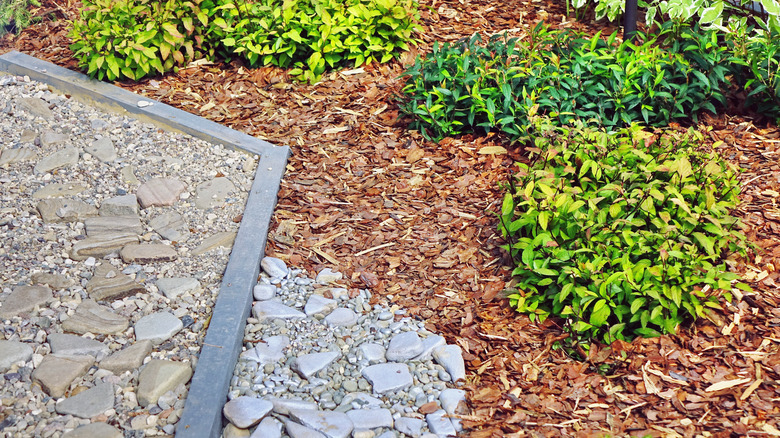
(115, 236)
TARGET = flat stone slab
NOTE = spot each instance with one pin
(370, 418)
(101, 245)
(269, 350)
(268, 428)
(103, 149)
(283, 406)
(223, 239)
(12, 352)
(143, 253)
(88, 404)
(440, 424)
(174, 287)
(125, 205)
(274, 309)
(404, 346)
(160, 192)
(9, 156)
(59, 210)
(36, 106)
(157, 327)
(245, 412)
(72, 345)
(62, 158)
(158, 377)
(113, 225)
(94, 430)
(107, 284)
(430, 343)
(213, 193)
(58, 190)
(317, 305)
(453, 401)
(24, 299)
(451, 358)
(409, 426)
(51, 138)
(54, 281)
(373, 352)
(342, 317)
(296, 430)
(387, 377)
(171, 226)
(274, 267)
(90, 317)
(127, 359)
(55, 373)
(330, 423)
(308, 365)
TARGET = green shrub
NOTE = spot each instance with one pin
(467, 85)
(136, 38)
(312, 35)
(15, 15)
(620, 233)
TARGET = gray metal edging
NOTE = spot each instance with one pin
(202, 416)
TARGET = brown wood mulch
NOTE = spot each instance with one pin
(413, 221)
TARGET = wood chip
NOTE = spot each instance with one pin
(725, 384)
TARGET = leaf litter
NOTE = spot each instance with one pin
(413, 221)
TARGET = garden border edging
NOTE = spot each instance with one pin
(202, 415)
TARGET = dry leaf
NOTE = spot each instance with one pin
(414, 155)
(495, 150)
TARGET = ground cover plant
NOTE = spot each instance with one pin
(414, 222)
(15, 15)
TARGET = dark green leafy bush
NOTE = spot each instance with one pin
(468, 85)
(620, 233)
(131, 39)
(312, 35)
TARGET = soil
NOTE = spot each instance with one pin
(414, 221)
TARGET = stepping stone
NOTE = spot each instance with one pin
(71, 345)
(90, 317)
(64, 210)
(387, 377)
(94, 430)
(270, 350)
(160, 192)
(125, 205)
(36, 106)
(273, 309)
(58, 190)
(50, 138)
(430, 343)
(332, 424)
(109, 284)
(283, 406)
(113, 225)
(171, 226)
(15, 155)
(224, 239)
(88, 404)
(62, 158)
(296, 430)
(439, 424)
(158, 377)
(245, 412)
(404, 346)
(409, 426)
(231, 431)
(12, 352)
(451, 358)
(142, 253)
(308, 365)
(268, 428)
(55, 374)
(157, 327)
(174, 287)
(342, 317)
(127, 359)
(54, 281)
(317, 305)
(262, 292)
(370, 418)
(128, 175)
(102, 149)
(274, 267)
(453, 401)
(213, 193)
(28, 136)
(24, 299)
(101, 245)
(373, 352)
(326, 276)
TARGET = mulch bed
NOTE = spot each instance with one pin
(414, 222)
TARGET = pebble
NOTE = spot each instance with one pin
(263, 292)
